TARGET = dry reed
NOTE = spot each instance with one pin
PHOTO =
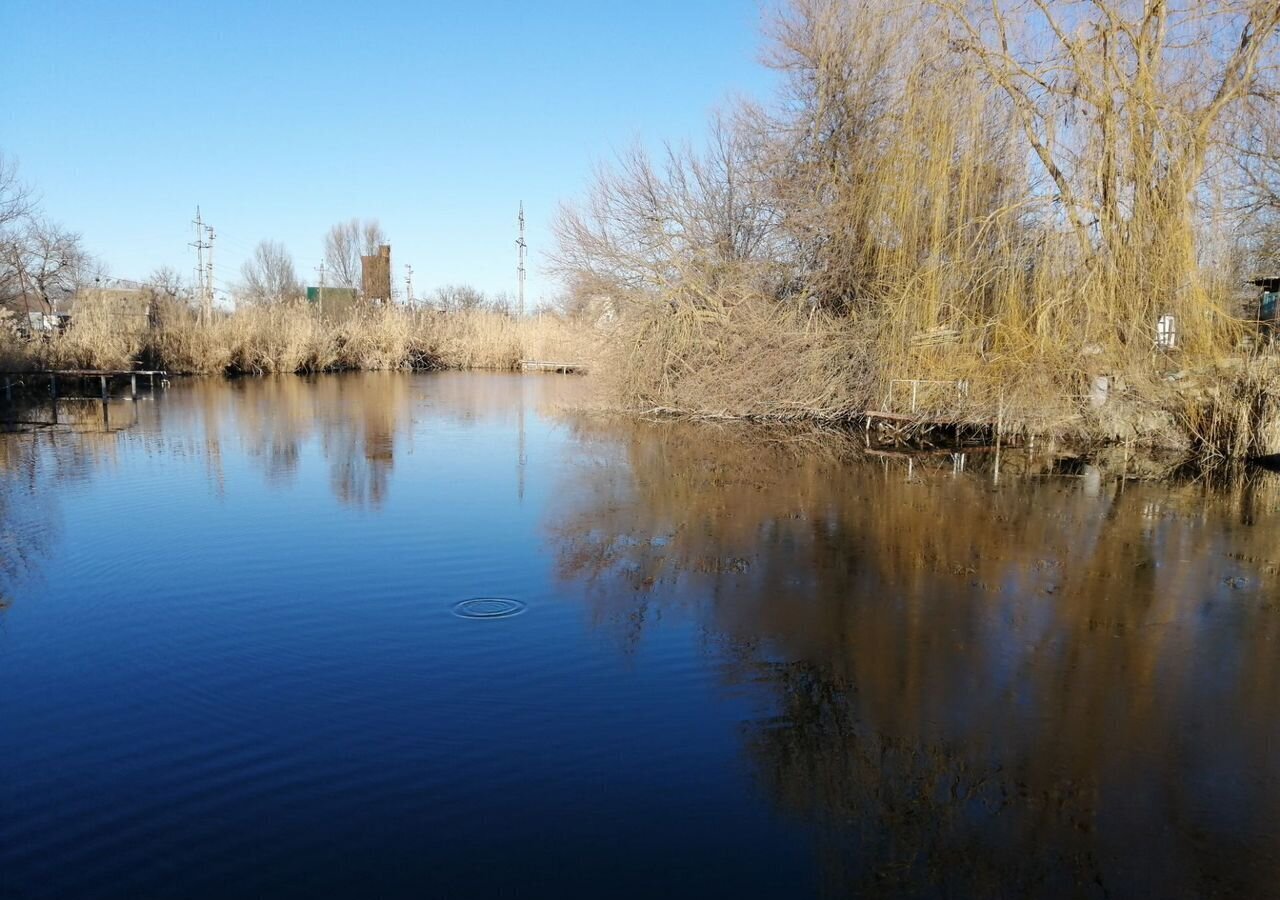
(293, 338)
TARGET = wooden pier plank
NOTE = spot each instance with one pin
(567, 368)
(85, 373)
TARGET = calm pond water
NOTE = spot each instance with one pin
(236, 658)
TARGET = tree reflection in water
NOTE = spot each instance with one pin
(1042, 686)
(35, 459)
(28, 519)
(357, 425)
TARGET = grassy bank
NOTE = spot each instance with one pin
(748, 358)
(741, 359)
(293, 338)
(1025, 214)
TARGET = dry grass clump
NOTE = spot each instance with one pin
(379, 339)
(483, 339)
(477, 339)
(276, 340)
(16, 353)
(739, 357)
(102, 340)
(1235, 415)
(184, 344)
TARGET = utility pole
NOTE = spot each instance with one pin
(408, 284)
(208, 294)
(204, 271)
(522, 249)
(201, 245)
(322, 289)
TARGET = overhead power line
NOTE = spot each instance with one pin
(522, 249)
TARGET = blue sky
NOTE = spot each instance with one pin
(280, 119)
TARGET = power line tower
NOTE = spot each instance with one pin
(522, 250)
(320, 296)
(208, 293)
(408, 284)
(204, 270)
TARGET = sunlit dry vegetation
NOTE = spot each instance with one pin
(1001, 200)
(294, 338)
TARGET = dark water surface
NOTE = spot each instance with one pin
(235, 659)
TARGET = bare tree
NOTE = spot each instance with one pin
(502, 302)
(345, 243)
(40, 263)
(372, 236)
(15, 206)
(1255, 153)
(269, 276)
(1119, 102)
(689, 219)
(457, 298)
(16, 199)
(1256, 149)
(168, 284)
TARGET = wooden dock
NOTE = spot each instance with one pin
(564, 368)
(917, 425)
(102, 376)
(873, 415)
(921, 431)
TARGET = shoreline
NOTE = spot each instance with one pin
(877, 431)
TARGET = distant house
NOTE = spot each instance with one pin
(62, 310)
(375, 275)
(37, 315)
(1267, 302)
(41, 322)
(333, 302)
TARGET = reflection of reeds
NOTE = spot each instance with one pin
(356, 422)
(948, 656)
(360, 422)
(360, 425)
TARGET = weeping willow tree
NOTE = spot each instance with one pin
(1125, 107)
(982, 192)
(905, 198)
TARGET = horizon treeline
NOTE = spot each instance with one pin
(43, 264)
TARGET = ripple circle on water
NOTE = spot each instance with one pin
(488, 608)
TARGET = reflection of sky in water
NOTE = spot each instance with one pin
(750, 666)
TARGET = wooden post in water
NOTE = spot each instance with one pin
(103, 379)
(53, 389)
(995, 478)
(153, 382)
(133, 387)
